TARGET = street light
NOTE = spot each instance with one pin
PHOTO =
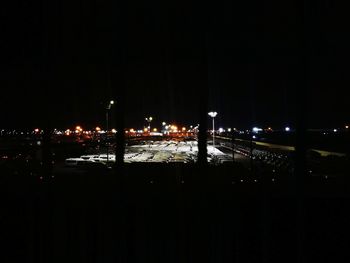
(149, 119)
(108, 108)
(213, 115)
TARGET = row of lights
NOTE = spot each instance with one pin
(172, 128)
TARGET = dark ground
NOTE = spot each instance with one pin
(163, 213)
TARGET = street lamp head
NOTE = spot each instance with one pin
(213, 114)
(111, 102)
(150, 118)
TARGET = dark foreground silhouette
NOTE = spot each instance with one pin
(173, 213)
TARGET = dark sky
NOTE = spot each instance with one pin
(247, 54)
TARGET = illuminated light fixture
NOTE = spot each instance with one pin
(98, 129)
(163, 123)
(335, 130)
(132, 130)
(111, 102)
(78, 128)
(213, 114)
(145, 129)
(126, 131)
(221, 130)
(287, 129)
(114, 130)
(183, 128)
(36, 130)
(229, 129)
(256, 129)
(155, 129)
(347, 127)
(254, 137)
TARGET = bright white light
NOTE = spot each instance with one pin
(229, 129)
(335, 130)
(254, 137)
(287, 129)
(213, 114)
(163, 123)
(256, 129)
(221, 130)
(111, 102)
(114, 130)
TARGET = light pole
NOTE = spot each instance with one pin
(164, 127)
(108, 108)
(149, 119)
(213, 115)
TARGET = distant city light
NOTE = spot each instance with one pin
(114, 130)
(163, 123)
(155, 129)
(254, 137)
(347, 127)
(221, 130)
(229, 129)
(36, 130)
(132, 130)
(98, 129)
(287, 129)
(256, 129)
(145, 129)
(183, 128)
(335, 130)
(111, 102)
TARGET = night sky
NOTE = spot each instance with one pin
(63, 52)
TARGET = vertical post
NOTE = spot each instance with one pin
(251, 153)
(214, 135)
(107, 128)
(233, 145)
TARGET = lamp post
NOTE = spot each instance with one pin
(213, 115)
(149, 119)
(108, 108)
